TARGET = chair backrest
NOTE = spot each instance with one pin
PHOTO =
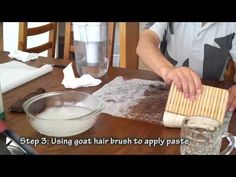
(25, 32)
(230, 71)
(68, 42)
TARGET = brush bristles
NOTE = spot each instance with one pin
(211, 103)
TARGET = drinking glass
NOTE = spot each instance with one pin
(204, 137)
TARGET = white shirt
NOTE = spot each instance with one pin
(206, 49)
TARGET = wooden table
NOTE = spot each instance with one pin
(106, 126)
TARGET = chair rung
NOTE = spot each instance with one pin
(40, 48)
(39, 30)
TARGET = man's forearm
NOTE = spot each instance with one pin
(151, 55)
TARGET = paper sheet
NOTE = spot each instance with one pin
(134, 99)
(23, 56)
(70, 81)
(14, 74)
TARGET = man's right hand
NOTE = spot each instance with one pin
(185, 79)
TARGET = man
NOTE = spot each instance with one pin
(193, 51)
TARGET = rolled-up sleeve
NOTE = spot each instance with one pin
(148, 25)
(159, 28)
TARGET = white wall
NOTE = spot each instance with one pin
(11, 32)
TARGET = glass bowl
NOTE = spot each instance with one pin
(62, 114)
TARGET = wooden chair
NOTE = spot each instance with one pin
(230, 71)
(129, 36)
(68, 42)
(25, 32)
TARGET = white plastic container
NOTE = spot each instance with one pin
(91, 48)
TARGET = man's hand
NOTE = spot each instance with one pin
(232, 99)
(185, 79)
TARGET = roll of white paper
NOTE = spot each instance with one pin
(14, 74)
